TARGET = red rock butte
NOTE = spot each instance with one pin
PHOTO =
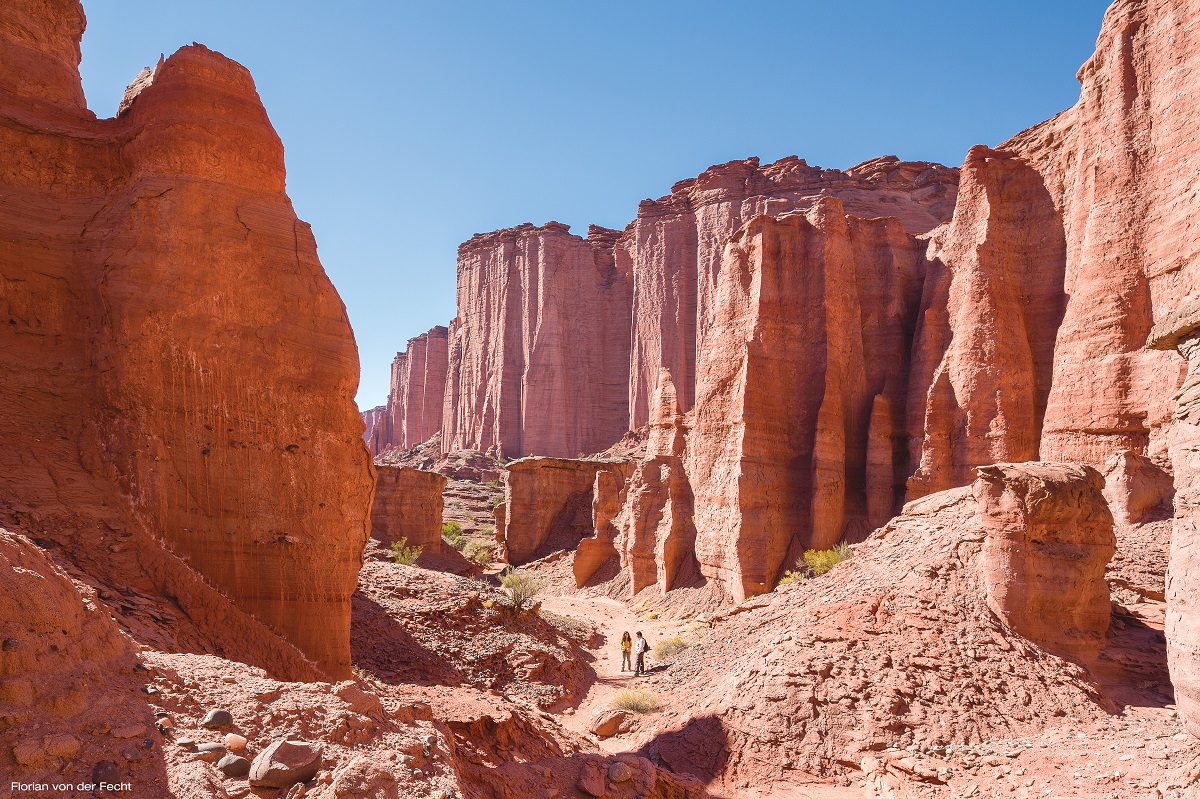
(179, 371)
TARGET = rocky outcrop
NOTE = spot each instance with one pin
(548, 504)
(374, 420)
(1049, 537)
(167, 317)
(656, 535)
(408, 505)
(1120, 165)
(896, 646)
(674, 247)
(981, 363)
(416, 395)
(1136, 488)
(815, 314)
(522, 380)
(1182, 626)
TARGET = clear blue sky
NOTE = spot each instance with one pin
(411, 126)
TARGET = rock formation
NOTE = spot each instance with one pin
(408, 505)
(895, 646)
(375, 421)
(417, 394)
(1136, 488)
(539, 352)
(814, 318)
(656, 538)
(992, 302)
(1049, 537)
(167, 317)
(548, 503)
(674, 247)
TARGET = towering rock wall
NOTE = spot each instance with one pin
(539, 353)
(416, 395)
(993, 299)
(167, 318)
(815, 315)
(675, 245)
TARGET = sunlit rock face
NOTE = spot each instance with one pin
(175, 358)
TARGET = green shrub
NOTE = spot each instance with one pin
(637, 700)
(452, 534)
(478, 551)
(669, 646)
(492, 484)
(404, 554)
(521, 586)
(497, 501)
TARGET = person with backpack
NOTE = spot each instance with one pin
(626, 646)
(639, 649)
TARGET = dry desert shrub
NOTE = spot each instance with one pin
(404, 554)
(521, 587)
(637, 700)
(669, 646)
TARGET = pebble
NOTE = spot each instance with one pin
(185, 743)
(10, 644)
(235, 742)
(131, 753)
(106, 771)
(211, 752)
(234, 766)
(217, 719)
(619, 772)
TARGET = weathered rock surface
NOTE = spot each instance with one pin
(814, 320)
(539, 352)
(993, 298)
(1136, 488)
(656, 537)
(416, 397)
(548, 504)
(167, 317)
(408, 504)
(675, 246)
(285, 763)
(1049, 538)
(375, 421)
(895, 646)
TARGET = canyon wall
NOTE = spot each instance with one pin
(539, 352)
(675, 245)
(176, 361)
(416, 395)
(815, 316)
(408, 505)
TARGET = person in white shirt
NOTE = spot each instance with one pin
(639, 648)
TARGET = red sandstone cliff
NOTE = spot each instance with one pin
(539, 352)
(176, 364)
(675, 245)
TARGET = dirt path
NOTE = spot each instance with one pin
(612, 618)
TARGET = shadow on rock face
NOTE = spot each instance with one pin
(699, 749)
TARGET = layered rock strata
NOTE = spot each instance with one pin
(539, 351)
(898, 645)
(815, 316)
(1049, 538)
(548, 504)
(167, 317)
(408, 505)
(675, 246)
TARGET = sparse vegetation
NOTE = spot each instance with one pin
(452, 534)
(492, 483)
(579, 629)
(404, 554)
(816, 562)
(521, 586)
(478, 551)
(637, 700)
(669, 646)
(497, 501)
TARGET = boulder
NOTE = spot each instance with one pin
(408, 504)
(285, 763)
(1137, 489)
(1049, 538)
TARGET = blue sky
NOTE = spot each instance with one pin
(410, 126)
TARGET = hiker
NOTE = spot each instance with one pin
(639, 648)
(626, 645)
